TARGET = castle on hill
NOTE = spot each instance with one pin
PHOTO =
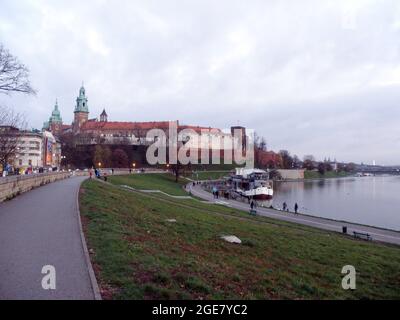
(102, 131)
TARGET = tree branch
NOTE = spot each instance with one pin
(14, 76)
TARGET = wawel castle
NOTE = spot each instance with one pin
(90, 132)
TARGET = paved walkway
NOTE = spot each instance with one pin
(377, 234)
(37, 228)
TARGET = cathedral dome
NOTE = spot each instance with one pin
(55, 115)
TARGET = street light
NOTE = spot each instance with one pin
(134, 165)
(99, 164)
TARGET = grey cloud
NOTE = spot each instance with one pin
(315, 77)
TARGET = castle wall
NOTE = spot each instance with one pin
(291, 174)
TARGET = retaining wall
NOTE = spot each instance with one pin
(291, 174)
(12, 186)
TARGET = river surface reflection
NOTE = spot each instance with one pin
(367, 200)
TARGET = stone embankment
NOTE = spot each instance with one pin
(12, 186)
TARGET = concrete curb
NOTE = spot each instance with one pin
(92, 276)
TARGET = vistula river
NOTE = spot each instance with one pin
(373, 201)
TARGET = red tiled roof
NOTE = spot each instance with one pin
(98, 125)
(114, 125)
(198, 129)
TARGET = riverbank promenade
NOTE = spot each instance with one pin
(377, 234)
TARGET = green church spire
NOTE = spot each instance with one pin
(55, 115)
(82, 101)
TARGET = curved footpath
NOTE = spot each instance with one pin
(377, 234)
(38, 228)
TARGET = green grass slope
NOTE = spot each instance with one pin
(137, 254)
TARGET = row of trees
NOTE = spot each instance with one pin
(310, 163)
(77, 155)
(104, 156)
(288, 161)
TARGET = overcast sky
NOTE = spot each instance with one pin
(314, 77)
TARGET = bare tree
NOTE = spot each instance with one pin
(287, 159)
(10, 123)
(14, 76)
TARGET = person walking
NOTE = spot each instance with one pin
(252, 205)
(296, 208)
(90, 173)
(284, 206)
(215, 192)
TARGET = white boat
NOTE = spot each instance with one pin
(253, 184)
(260, 193)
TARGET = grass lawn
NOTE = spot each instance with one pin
(137, 254)
(152, 181)
(327, 174)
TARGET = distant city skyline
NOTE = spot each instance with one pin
(312, 77)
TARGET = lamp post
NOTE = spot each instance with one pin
(63, 161)
(99, 164)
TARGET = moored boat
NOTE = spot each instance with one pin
(252, 184)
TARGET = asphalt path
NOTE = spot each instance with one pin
(40, 228)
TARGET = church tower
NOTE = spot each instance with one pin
(55, 121)
(103, 116)
(81, 112)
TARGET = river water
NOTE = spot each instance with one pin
(373, 201)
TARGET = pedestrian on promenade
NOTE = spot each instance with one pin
(284, 206)
(296, 207)
(214, 191)
(112, 171)
(251, 205)
(90, 173)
